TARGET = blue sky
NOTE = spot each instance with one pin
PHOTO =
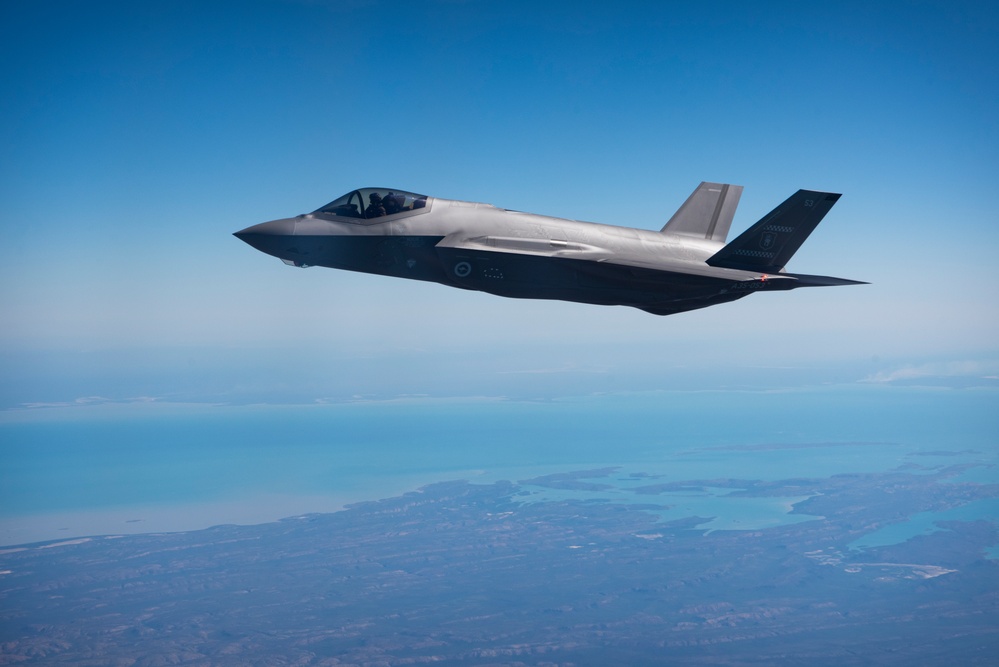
(136, 137)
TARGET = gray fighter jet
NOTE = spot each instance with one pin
(685, 265)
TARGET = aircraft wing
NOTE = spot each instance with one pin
(515, 245)
(598, 259)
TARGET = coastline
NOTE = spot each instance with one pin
(150, 468)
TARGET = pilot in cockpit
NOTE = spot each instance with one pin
(393, 203)
(375, 207)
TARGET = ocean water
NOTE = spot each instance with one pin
(114, 469)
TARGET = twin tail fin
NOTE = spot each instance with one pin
(707, 213)
(767, 246)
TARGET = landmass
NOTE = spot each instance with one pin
(469, 574)
(573, 481)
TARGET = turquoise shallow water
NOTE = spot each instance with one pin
(137, 468)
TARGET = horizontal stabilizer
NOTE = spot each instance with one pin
(707, 213)
(805, 280)
(769, 244)
(788, 281)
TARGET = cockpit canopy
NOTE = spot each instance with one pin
(370, 203)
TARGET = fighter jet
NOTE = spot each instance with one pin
(684, 266)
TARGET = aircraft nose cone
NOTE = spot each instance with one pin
(284, 227)
(268, 237)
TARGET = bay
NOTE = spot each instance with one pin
(122, 468)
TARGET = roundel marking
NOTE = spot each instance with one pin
(462, 269)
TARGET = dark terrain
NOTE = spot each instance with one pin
(469, 574)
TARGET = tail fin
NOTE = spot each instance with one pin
(768, 245)
(707, 213)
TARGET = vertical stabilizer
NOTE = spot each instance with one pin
(707, 213)
(768, 245)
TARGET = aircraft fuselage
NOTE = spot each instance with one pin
(509, 253)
